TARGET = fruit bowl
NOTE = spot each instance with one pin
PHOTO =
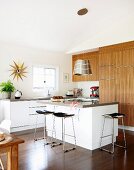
(57, 99)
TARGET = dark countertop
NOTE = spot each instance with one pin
(78, 104)
(98, 104)
(33, 98)
(46, 100)
(30, 99)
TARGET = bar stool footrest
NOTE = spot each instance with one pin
(67, 150)
(124, 147)
(49, 143)
(106, 150)
(38, 139)
(56, 144)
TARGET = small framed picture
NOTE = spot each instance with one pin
(65, 77)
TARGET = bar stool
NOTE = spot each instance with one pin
(64, 116)
(45, 113)
(113, 116)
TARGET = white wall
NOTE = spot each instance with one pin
(86, 87)
(111, 31)
(30, 56)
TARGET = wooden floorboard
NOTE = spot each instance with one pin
(36, 156)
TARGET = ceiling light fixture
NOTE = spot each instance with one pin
(82, 11)
(82, 67)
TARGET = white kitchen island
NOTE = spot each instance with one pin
(88, 119)
(88, 122)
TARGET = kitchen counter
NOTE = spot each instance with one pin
(30, 99)
(79, 104)
(88, 121)
(88, 118)
(66, 102)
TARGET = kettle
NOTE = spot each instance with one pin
(18, 94)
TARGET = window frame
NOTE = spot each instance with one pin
(56, 77)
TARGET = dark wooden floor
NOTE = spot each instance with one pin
(36, 156)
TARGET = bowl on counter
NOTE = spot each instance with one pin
(57, 99)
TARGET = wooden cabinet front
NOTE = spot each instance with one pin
(93, 58)
(116, 76)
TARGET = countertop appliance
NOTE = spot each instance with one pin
(95, 92)
(70, 93)
(18, 94)
(77, 92)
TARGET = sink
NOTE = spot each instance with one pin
(43, 98)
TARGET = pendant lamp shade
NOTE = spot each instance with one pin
(82, 67)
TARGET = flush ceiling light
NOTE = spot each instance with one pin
(82, 11)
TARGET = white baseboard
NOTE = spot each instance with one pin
(131, 128)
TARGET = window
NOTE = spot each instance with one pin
(44, 77)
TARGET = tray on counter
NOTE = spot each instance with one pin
(57, 100)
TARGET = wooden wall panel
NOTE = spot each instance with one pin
(118, 65)
(113, 66)
(106, 59)
(107, 72)
(107, 91)
(93, 58)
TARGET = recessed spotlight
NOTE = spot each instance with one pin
(82, 11)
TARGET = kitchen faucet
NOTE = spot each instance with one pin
(48, 93)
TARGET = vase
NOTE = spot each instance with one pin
(6, 95)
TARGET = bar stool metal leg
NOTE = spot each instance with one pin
(54, 142)
(35, 130)
(113, 138)
(124, 136)
(45, 132)
(63, 133)
(102, 133)
(74, 136)
(74, 133)
(53, 131)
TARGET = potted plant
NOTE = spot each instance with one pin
(6, 88)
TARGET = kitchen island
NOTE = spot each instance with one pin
(88, 118)
(88, 121)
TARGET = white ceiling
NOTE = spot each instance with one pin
(54, 24)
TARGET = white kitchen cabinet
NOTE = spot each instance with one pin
(33, 106)
(22, 114)
(19, 114)
(1, 112)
